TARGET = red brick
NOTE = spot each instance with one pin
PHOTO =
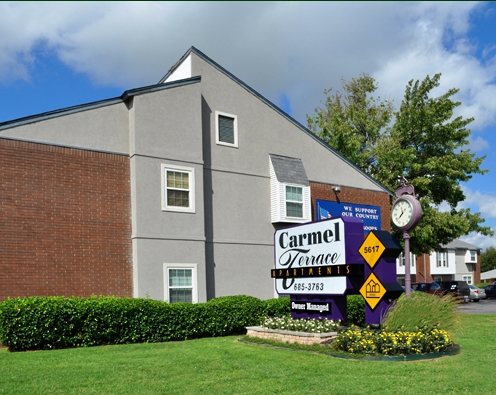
(65, 221)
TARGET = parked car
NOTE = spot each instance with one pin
(477, 293)
(490, 291)
(432, 288)
(458, 289)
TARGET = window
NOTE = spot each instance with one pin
(178, 188)
(226, 126)
(294, 201)
(473, 256)
(442, 259)
(180, 283)
(401, 260)
(289, 190)
(468, 279)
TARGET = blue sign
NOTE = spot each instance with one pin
(370, 215)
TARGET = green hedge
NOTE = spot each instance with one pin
(42, 323)
(57, 322)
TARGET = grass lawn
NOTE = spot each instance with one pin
(226, 366)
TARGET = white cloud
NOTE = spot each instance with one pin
(478, 144)
(293, 48)
(480, 240)
(485, 203)
(290, 49)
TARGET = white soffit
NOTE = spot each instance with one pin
(182, 72)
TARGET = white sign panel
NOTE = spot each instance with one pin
(314, 245)
(324, 285)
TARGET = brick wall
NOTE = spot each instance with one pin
(65, 221)
(354, 196)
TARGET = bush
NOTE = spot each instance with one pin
(422, 310)
(57, 322)
(278, 307)
(356, 309)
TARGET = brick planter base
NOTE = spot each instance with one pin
(290, 336)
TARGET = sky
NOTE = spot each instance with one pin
(59, 54)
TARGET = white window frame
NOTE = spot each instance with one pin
(301, 203)
(440, 262)
(194, 278)
(473, 256)
(402, 260)
(235, 129)
(467, 279)
(191, 174)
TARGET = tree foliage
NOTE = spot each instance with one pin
(422, 141)
(488, 259)
(352, 121)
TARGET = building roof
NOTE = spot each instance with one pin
(488, 275)
(289, 170)
(460, 245)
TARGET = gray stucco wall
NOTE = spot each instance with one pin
(100, 129)
(165, 129)
(239, 231)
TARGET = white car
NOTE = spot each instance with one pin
(477, 293)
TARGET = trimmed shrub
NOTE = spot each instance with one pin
(56, 322)
(232, 314)
(278, 307)
(356, 309)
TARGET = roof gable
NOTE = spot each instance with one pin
(181, 65)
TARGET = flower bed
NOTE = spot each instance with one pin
(354, 340)
(383, 342)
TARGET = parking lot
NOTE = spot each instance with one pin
(485, 306)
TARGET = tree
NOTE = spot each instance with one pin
(351, 122)
(424, 144)
(488, 259)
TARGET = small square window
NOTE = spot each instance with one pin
(226, 126)
(178, 193)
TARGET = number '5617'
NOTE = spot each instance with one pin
(370, 250)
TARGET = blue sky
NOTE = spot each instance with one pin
(59, 54)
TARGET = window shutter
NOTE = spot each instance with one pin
(226, 129)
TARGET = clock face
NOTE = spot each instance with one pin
(402, 213)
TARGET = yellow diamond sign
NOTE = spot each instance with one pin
(372, 291)
(371, 249)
